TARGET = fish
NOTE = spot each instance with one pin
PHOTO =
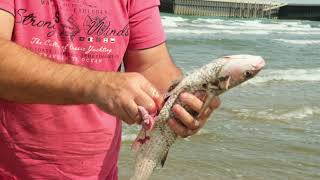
(155, 138)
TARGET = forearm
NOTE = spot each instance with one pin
(155, 64)
(29, 78)
(162, 74)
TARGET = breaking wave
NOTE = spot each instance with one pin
(287, 75)
(299, 42)
(181, 25)
(168, 21)
(199, 32)
(271, 114)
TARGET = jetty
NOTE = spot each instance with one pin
(240, 9)
(300, 11)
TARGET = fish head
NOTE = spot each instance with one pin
(237, 69)
(232, 71)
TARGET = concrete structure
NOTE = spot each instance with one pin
(300, 11)
(166, 6)
(241, 9)
(222, 8)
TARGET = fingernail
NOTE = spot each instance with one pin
(155, 93)
(153, 111)
(184, 95)
(200, 94)
(170, 121)
(218, 102)
(176, 108)
(196, 123)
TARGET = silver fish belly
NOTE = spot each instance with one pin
(214, 78)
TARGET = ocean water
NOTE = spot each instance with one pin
(269, 128)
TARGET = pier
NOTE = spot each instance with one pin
(241, 9)
(300, 11)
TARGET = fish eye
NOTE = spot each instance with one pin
(248, 74)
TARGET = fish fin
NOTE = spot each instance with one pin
(206, 104)
(164, 158)
(228, 83)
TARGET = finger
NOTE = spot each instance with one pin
(205, 115)
(179, 129)
(125, 117)
(144, 100)
(215, 103)
(212, 102)
(185, 118)
(201, 95)
(154, 94)
(207, 112)
(131, 113)
(191, 101)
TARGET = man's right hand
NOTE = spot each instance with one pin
(120, 94)
(43, 81)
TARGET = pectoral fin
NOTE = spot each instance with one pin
(206, 104)
(228, 83)
(163, 160)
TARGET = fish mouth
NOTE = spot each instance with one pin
(260, 65)
(256, 68)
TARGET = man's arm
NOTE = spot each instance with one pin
(29, 78)
(26, 77)
(156, 65)
(7, 21)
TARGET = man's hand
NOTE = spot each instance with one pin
(156, 65)
(185, 124)
(120, 94)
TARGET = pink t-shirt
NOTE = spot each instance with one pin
(39, 141)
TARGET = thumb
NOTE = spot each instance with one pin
(154, 94)
(159, 101)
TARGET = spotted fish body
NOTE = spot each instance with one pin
(214, 78)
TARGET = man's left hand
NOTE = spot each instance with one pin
(185, 124)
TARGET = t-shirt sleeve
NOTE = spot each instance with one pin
(7, 5)
(145, 24)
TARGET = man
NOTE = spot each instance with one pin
(60, 90)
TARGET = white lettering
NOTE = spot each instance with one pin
(101, 50)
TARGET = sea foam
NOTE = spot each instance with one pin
(298, 42)
(273, 114)
(179, 25)
(306, 75)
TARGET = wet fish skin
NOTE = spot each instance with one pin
(215, 78)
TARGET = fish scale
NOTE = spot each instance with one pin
(213, 78)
